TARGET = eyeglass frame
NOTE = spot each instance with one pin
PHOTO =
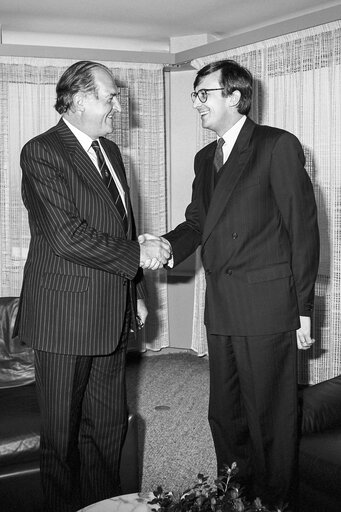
(195, 95)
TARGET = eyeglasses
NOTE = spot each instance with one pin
(202, 94)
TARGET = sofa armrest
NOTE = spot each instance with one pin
(16, 359)
(321, 406)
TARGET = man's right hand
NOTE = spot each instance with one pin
(154, 251)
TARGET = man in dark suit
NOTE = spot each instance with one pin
(82, 288)
(253, 212)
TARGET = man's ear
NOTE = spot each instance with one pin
(78, 102)
(234, 98)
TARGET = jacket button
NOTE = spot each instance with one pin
(229, 272)
(234, 235)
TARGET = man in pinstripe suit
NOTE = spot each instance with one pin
(82, 289)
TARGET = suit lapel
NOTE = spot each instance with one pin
(208, 182)
(231, 173)
(115, 162)
(86, 169)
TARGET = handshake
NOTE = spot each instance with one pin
(155, 251)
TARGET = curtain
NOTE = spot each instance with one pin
(297, 87)
(27, 96)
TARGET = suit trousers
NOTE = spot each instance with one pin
(84, 423)
(253, 411)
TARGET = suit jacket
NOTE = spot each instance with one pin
(258, 231)
(81, 263)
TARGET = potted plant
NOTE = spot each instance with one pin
(224, 495)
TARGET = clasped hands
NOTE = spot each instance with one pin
(155, 251)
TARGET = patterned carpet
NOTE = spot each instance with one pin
(169, 393)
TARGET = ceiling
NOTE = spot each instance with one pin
(143, 25)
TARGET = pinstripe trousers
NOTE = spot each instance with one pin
(253, 411)
(84, 421)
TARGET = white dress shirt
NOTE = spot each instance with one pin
(86, 142)
(230, 137)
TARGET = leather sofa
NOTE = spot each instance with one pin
(320, 447)
(20, 424)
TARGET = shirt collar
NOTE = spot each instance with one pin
(232, 134)
(82, 137)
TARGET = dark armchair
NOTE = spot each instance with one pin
(320, 447)
(20, 424)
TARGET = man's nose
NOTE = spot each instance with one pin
(116, 105)
(196, 102)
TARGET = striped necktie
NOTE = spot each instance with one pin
(110, 183)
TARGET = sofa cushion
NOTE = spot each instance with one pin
(19, 426)
(320, 462)
(16, 359)
(321, 406)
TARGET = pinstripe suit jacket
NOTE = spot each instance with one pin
(258, 232)
(81, 263)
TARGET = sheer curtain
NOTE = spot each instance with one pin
(297, 87)
(27, 96)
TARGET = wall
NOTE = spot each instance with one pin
(181, 148)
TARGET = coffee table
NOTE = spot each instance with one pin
(136, 502)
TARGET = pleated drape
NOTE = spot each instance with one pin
(27, 96)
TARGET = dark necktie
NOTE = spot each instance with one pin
(218, 160)
(109, 182)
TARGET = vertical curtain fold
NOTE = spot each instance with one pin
(297, 88)
(27, 96)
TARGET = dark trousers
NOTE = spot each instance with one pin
(253, 411)
(84, 422)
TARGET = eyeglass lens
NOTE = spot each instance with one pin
(201, 94)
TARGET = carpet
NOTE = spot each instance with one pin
(169, 395)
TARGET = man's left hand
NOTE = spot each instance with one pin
(142, 313)
(304, 339)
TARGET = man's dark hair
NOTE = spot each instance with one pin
(76, 78)
(233, 77)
